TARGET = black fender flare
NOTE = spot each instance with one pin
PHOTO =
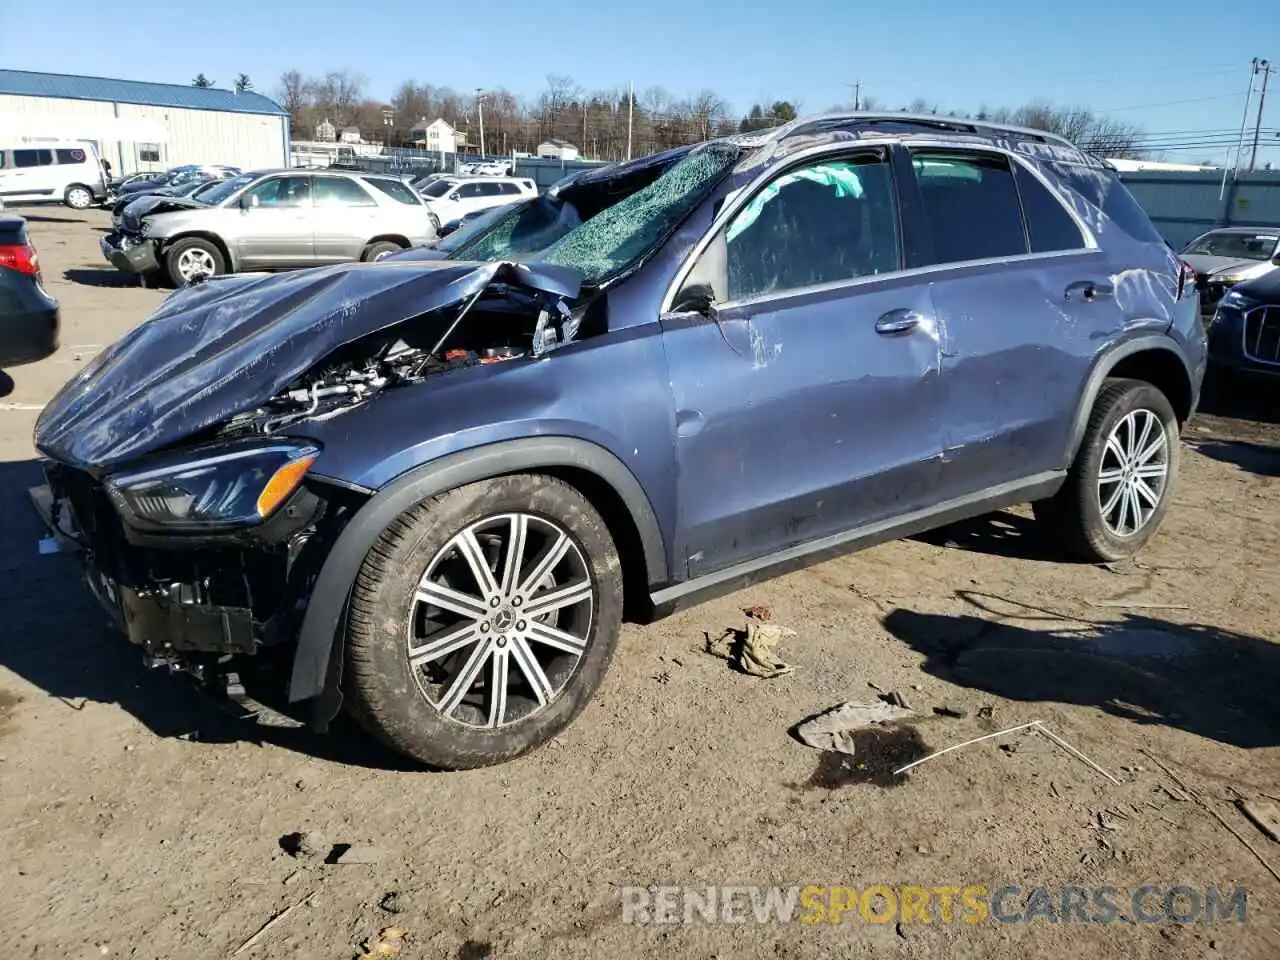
(1102, 369)
(314, 671)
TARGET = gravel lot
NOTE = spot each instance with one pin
(138, 820)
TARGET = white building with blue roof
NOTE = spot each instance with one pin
(145, 126)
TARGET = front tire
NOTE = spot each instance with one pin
(483, 621)
(1118, 488)
(191, 259)
(383, 248)
(78, 197)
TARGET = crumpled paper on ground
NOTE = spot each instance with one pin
(753, 653)
(834, 729)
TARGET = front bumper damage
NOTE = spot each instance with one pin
(129, 254)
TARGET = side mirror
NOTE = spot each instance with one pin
(248, 201)
(696, 298)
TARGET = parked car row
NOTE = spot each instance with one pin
(268, 220)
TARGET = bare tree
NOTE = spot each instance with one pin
(292, 96)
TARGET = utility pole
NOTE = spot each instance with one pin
(631, 99)
(857, 94)
(480, 112)
(584, 123)
(1263, 67)
(1244, 122)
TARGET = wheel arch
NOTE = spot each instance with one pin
(396, 238)
(1152, 359)
(599, 475)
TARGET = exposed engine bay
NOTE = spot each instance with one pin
(500, 324)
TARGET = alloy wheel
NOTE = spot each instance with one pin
(194, 263)
(500, 620)
(1133, 472)
(79, 198)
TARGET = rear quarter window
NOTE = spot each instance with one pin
(396, 191)
(70, 156)
(1103, 189)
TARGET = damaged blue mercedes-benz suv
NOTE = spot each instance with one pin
(432, 488)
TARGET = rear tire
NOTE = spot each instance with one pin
(78, 197)
(516, 652)
(376, 251)
(1127, 459)
(191, 258)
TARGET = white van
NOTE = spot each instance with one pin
(63, 171)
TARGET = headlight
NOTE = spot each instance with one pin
(236, 488)
(144, 228)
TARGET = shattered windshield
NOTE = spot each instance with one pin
(1238, 246)
(619, 235)
(550, 229)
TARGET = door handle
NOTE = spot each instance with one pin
(1087, 290)
(898, 321)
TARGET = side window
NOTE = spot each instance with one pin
(396, 190)
(512, 189)
(1049, 226)
(4, 159)
(283, 192)
(70, 156)
(341, 192)
(1103, 189)
(469, 191)
(971, 204)
(822, 223)
(491, 190)
(32, 158)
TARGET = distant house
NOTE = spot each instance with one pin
(326, 132)
(351, 135)
(558, 150)
(437, 135)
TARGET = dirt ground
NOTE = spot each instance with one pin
(139, 821)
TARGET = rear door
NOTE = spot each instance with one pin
(1023, 299)
(344, 220)
(274, 224)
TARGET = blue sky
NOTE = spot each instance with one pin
(1130, 60)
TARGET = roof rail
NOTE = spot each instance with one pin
(954, 124)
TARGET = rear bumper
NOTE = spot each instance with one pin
(130, 254)
(30, 323)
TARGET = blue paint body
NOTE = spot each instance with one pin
(740, 438)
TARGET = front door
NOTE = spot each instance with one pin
(807, 401)
(344, 219)
(1023, 301)
(274, 226)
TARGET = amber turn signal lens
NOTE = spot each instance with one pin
(282, 483)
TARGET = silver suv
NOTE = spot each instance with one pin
(270, 220)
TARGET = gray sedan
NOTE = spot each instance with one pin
(270, 220)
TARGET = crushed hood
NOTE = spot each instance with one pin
(226, 346)
(160, 203)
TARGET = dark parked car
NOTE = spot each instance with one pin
(433, 488)
(1244, 337)
(190, 190)
(28, 315)
(174, 177)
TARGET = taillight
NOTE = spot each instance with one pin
(20, 257)
(1186, 279)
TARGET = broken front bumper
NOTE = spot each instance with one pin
(130, 254)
